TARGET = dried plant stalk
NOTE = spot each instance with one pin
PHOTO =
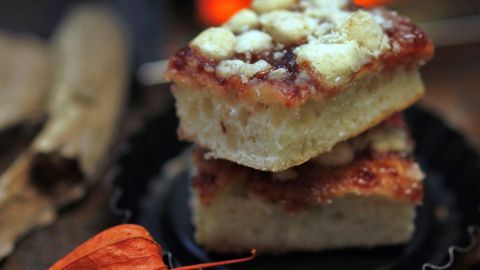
(22, 206)
(89, 89)
(25, 78)
(84, 104)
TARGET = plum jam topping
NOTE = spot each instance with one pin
(307, 67)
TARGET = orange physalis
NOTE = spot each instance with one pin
(216, 12)
(124, 247)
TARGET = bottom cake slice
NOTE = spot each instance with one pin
(362, 194)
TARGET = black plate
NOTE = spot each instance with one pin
(444, 224)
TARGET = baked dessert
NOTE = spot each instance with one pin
(361, 194)
(287, 80)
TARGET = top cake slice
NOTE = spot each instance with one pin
(286, 80)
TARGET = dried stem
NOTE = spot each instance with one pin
(22, 206)
(89, 89)
(25, 79)
(84, 104)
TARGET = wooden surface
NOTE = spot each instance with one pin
(453, 85)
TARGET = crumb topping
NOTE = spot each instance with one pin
(330, 42)
(288, 27)
(391, 136)
(263, 6)
(253, 41)
(331, 4)
(216, 43)
(227, 68)
(243, 20)
(333, 62)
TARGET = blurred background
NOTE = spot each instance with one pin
(157, 28)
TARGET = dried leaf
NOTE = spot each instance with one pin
(89, 91)
(121, 247)
(125, 247)
(84, 105)
(22, 207)
(25, 79)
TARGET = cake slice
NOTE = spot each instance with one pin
(362, 194)
(287, 80)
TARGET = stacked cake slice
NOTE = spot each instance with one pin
(294, 108)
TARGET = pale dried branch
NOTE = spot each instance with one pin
(89, 89)
(90, 60)
(25, 79)
(22, 206)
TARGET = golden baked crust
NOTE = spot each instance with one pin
(252, 58)
(377, 163)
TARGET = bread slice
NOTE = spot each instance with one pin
(338, 200)
(271, 95)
